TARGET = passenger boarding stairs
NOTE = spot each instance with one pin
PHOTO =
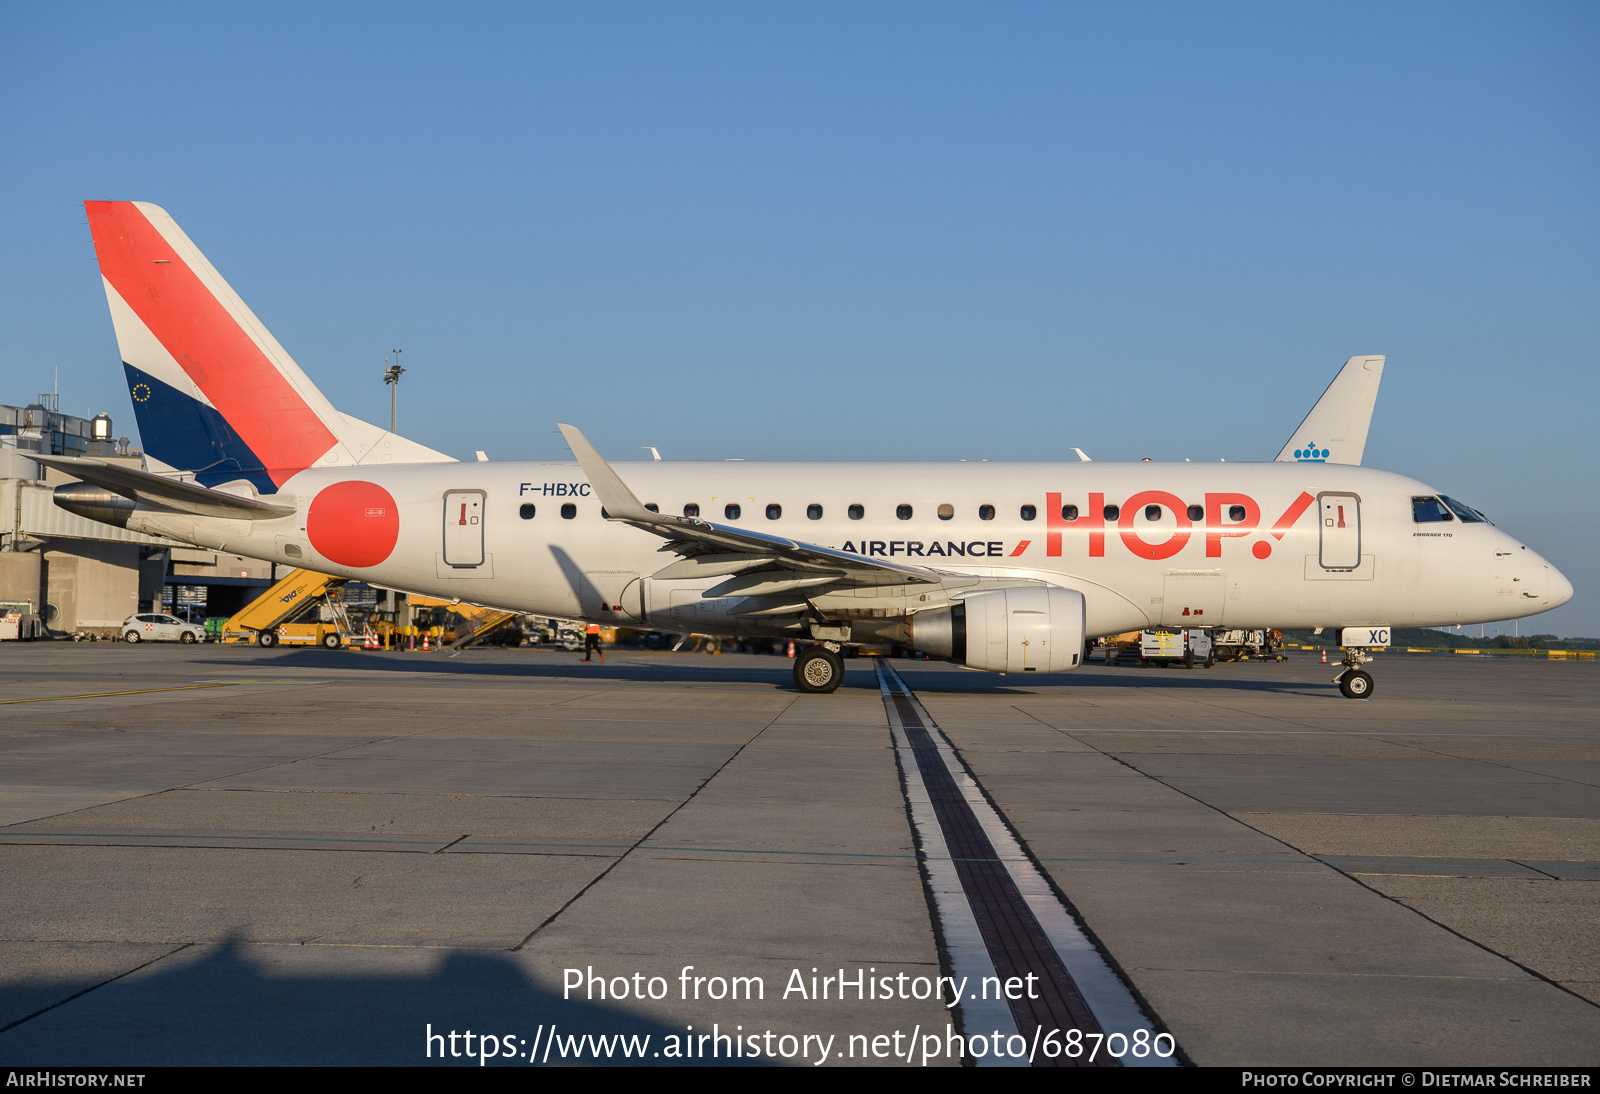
(283, 602)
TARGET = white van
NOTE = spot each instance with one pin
(1189, 647)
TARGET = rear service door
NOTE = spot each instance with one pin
(463, 528)
(1341, 531)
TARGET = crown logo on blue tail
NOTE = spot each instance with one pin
(1311, 454)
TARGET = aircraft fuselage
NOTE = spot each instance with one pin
(1147, 544)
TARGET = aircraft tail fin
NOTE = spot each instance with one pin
(213, 391)
(1336, 429)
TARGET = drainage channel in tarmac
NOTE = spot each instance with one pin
(1002, 924)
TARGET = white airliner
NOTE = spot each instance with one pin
(1003, 567)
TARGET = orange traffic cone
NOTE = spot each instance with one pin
(424, 641)
(1324, 655)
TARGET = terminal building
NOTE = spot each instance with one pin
(81, 577)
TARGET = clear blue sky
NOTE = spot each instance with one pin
(918, 230)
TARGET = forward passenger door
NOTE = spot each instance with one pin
(1341, 531)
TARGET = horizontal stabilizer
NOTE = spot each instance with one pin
(1336, 429)
(165, 493)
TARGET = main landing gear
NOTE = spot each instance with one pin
(1355, 683)
(818, 670)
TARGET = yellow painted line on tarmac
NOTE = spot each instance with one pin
(108, 694)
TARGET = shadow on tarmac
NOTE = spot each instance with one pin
(213, 1005)
(776, 672)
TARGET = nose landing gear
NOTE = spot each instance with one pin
(1353, 681)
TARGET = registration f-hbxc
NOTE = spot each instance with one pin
(1003, 567)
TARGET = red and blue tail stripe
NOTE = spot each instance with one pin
(197, 330)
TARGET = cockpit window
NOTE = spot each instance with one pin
(1429, 511)
(1466, 515)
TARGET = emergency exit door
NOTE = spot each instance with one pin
(1341, 531)
(463, 528)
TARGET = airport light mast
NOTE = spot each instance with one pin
(391, 375)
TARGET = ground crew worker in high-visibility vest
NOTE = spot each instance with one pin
(591, 643)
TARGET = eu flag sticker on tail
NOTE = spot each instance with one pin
(186, 434)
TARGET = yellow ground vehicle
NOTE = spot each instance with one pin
(273, 618)
(463, 624)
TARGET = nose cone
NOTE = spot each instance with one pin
(1560, 587)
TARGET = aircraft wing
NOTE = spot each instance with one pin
(185, 497)
(780, 571)
(1336, 429)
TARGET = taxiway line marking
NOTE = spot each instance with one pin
(109, 694)
(1024, 926)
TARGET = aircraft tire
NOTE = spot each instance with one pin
(1356, 685)
(818, 671)
(266, 640)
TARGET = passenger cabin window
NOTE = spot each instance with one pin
(857, 512)
(1152, 512)
(1069, 512)
(1029, 512)
(568, 511)
(813, 512)
(731, 512)
(774, 512)
(1466, 515)
(985, 512)
(1429, 511)
(1235, 512)
(527, 511)
(1196, 513)
(947, 512)
(1112, 512)
(691, 510)
(903, 512)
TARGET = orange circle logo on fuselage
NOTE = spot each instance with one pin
(354, 523)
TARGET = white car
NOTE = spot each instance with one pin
(160, 628)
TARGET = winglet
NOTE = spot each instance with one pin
(619, 502)
(1336, 429)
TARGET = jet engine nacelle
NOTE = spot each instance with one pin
(1034, 628)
